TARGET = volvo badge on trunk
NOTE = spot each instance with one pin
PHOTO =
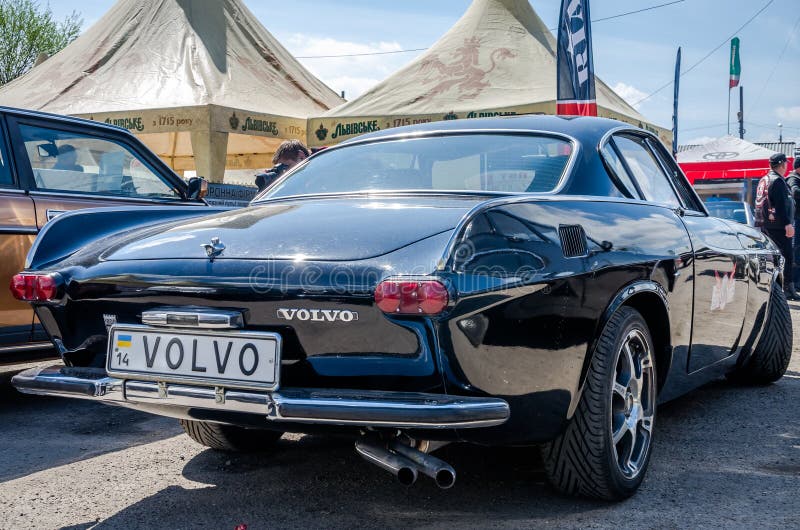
(318, 315)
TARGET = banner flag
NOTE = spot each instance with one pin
(736, 67)
(575, 70)
(675, 103)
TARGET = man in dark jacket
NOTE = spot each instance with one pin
(793, 181)
(778, 225)
(289, 154)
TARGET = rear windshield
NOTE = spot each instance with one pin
(475, 162)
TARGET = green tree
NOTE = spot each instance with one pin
(27, 30)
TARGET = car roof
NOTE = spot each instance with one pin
(584, 129)
(62, 118)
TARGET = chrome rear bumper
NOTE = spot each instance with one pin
(298, 405)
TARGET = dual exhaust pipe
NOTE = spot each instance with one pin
(406, 463)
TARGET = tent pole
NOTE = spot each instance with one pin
(210, 149)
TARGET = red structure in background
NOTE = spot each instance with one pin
(743, 169)
(726, 158)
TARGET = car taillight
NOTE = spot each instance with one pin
(35, 287)
(402, 297)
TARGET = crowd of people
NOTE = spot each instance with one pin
(778, 215)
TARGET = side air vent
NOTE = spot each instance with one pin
(573, 241)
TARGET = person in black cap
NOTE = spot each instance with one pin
(793, 181)
(778, 219)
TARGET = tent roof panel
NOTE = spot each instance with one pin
(498, 55)
(172, 53)
(726, 149)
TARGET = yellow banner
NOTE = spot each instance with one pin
(155, 120)
(252, 123)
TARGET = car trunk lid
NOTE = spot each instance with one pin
(313, 229)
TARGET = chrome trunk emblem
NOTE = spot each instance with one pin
(318, 315)
(214, 248)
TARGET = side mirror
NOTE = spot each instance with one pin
(198, 188)
(47, 150)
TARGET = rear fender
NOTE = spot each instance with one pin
(71, 231)
(650, 299)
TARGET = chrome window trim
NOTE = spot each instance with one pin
(18, 118)
(19, 230)
(80, 195)
(641, 133)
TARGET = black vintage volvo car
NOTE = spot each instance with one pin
(527, 280)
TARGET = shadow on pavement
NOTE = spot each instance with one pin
(50, 432)
(720, 446)
(322, 479)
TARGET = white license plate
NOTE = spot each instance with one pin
(236, 359)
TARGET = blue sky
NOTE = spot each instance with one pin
(634, 54)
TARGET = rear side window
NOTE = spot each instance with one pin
(71, 162)
(688, 196)
(618, 170)
(644, 167)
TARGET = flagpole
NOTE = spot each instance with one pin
(729, 110)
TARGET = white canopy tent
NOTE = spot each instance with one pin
(725, 158)
(725, 149)
(201, 82)
(498, 59)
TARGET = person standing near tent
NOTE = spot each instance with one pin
(289, 154)
(793, 181)
(775, 211)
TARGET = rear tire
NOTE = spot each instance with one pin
(230, 437)
(605, 449)
(772, 354)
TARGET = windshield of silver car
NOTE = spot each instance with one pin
(506, 163)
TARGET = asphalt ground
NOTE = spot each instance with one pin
(725, 457)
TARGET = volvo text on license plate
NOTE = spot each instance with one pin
(225, 358)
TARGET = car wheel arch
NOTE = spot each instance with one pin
(650, 300)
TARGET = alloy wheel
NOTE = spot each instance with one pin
(633, 404)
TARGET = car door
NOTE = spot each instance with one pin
(720, 262)
(67, 167)
(17, 231)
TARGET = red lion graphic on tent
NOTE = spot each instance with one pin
(463, 74)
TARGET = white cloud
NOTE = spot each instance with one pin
(629, 93)
(699, 140)
(354, 75)
(788, 113)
